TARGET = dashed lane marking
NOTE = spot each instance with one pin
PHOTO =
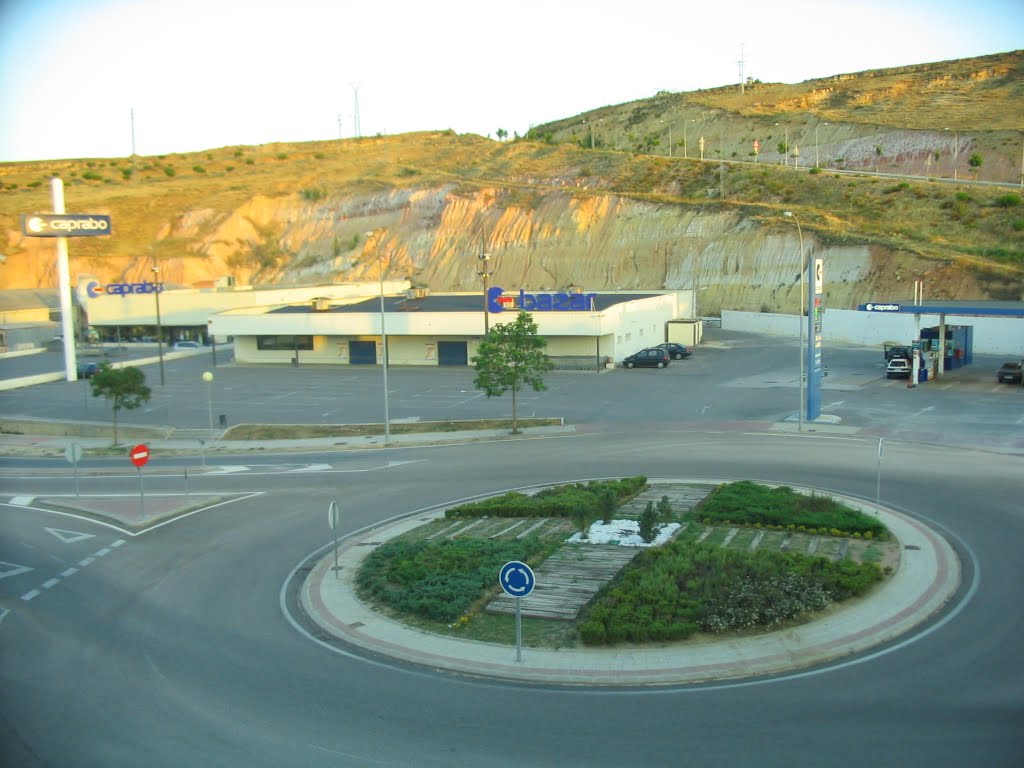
(29, 595)
(69, 572)
(50, 583)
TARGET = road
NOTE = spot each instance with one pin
(176, 646)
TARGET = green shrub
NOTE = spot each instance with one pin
(198, 169)
(92, 176)
(559, 501)
(169, 170)
(438, 581)
(312, 194)
(746, 503)
(1009, 200)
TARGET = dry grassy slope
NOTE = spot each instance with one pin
(551, 214)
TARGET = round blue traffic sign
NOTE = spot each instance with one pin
(516, 579)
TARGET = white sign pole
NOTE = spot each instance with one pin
(64, 283)
(333, 518)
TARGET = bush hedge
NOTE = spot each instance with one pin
(438, 580)
(594, 499)
(671, 592)
(748, 503)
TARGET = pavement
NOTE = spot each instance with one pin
(927, 576)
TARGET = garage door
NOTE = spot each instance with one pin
(452, 353)
(362, 352)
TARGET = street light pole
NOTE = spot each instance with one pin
(383, 338)
(208, 378)
(485, 272)
(803, 276)
(159, 324)
(785, 154)
(816, 143)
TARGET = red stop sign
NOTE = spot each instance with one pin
(139, 455)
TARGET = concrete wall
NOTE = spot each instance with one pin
(992, 336)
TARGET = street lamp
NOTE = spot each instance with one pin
(159, 324)
(956, 149)
(208, 378)
(785, 155)
(816, 143)
(803, 275)
(670, 136)
(383, 336)
(485, 272)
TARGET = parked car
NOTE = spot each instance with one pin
(898, 368)
(652, 357)
(87, 370)
(1010, 373)
(676, 351)
(894, 349)
(180, 346)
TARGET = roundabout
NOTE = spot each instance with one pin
(925, 580)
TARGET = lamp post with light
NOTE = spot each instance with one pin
(816, 143)
(803, 276)
(159, 324)
(208, 378)
(785, 155)
(956, 149)
(485, 272)
(383, 336)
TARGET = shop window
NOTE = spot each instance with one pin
(286, 343)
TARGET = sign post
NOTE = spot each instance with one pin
(61, 225)
(139, 455)
(517, 579)
(333, 519)
(73, 453)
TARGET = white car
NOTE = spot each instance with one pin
(898, 368)
(181, 346)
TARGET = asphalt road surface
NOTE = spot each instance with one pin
(174, 646)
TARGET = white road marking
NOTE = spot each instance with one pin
(30, 594)
(311, 468)
(4, 612)
(51, 583)
(69, 572)
(924, 411)
(68, 536)
(86, 561)
(12, 569)
(228, 470)
(102, 552)
(117, 543)
(22, 501)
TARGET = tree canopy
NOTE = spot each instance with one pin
(510, 357)
(124, 388)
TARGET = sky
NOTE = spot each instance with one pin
(95, 78)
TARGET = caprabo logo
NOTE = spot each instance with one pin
(95, 290)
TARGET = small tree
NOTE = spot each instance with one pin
(509, 357)
(665, 510)
(502, 133)
(124, 388)
(649, 523)
(975, 162)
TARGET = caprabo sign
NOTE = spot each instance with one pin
(94, 289)
(65, 224)
(539, 302)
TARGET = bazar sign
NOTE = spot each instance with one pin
(540, 302)
(882, 307)
(94, 289)
(64, 224)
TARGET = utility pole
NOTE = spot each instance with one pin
(356, 126)
(741, 69)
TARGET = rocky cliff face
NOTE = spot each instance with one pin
(434, 236)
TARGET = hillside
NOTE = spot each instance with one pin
(553, 212)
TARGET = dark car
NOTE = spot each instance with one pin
(652, 357)
(1010, 373)
(87, 370)
(676, 351)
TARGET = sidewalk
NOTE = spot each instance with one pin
(927, 577)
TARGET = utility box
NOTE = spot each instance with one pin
(686, 332)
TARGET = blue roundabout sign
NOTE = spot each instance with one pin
(516, 579)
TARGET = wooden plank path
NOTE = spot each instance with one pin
(567, 580)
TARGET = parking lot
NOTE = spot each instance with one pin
(732, 377)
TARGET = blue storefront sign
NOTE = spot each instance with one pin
(540, 302)
(94, 289)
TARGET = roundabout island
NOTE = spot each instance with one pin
(925, 578)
